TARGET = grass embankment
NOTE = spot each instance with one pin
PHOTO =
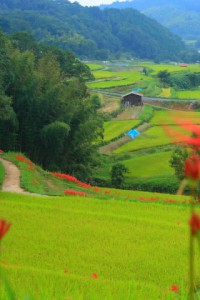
(2, 174)
(81, 248)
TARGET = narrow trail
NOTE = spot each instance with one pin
(11, 181)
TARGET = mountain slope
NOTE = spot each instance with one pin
(89, 31)
(181, 17)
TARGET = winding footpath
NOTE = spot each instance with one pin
(11, 181)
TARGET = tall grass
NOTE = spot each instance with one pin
(56, 245)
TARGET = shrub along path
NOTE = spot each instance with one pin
(11, 182)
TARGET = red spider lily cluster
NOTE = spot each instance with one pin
(75, 193)
(1, 151)
(23, 159)
(72, 179)
(4, 227)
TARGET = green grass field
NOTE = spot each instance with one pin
(170, 68)
(95, 66)
(168, 117)
(81, 248)
(108, 79)
(152, 137)
(113, 129)
(192, 94)
(156, 163)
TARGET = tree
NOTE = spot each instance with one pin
(177, 161)
(117, 175)
(164, 77)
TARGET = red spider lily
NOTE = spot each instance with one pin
(85, 185)
(94, 276)
(96, 189)
(174, 288)
(192, 167)
(71, 178)
(1, 151)
(194, 223)
(23, 159)
(30, 168)
(5, 263)
(188, 125)
(171, 201)
(107, 192)
(75, 193)
(4, 227)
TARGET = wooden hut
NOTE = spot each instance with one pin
(131, 99)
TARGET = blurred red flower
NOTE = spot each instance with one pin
(4, 227)
(188, 125)
(174, 288)
(192, 167)
(95, 276)
(194, 223)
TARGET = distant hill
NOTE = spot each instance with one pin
(89, 31)
(181, 16)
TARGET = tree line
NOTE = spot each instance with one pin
(45, 109)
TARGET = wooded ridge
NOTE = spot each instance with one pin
(90, 32)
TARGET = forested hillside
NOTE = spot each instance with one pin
(181, 17)
(89, 31)
(45, 110)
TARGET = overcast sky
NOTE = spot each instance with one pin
(95, 2)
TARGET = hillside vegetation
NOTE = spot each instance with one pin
(181, 17)
(89, 31)
(46, 111)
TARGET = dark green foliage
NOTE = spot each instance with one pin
(164, 77)
(117, 175)
(177, 161)
(45, 110)
(185, 81)
(167, 185)
(88, 31)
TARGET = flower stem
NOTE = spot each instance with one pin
(191, 253)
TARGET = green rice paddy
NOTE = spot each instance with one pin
(113, 129)
(54, 248)
(152, 137)
(155, 164)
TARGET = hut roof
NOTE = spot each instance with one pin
(138, 94)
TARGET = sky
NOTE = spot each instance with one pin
(95, 2)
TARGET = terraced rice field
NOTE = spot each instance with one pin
(54, 247)
(113, 129)
(155, 164)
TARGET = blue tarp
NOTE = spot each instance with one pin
(133, 133)
(137, 90)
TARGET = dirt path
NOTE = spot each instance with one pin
(11, 181)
